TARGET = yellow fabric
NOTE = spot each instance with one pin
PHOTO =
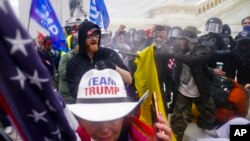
(195, 113)
(63, 53)
(69, 41)
(146, 78)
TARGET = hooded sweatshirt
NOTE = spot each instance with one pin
(81, 63)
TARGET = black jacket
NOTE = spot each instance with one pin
(81, 63)
(197, 61)
(50, 60)
(221, 46)
(241, 63)
(161, 64)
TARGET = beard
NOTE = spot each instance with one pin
(92, 46)
(185, 48)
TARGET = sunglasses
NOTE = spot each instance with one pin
(92, 36)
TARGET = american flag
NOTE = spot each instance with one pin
(27, 95)
(172, 67)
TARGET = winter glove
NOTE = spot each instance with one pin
(222, 52)
(105, 65)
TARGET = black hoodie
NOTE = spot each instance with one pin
(81, 63)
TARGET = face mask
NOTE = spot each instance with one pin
(246, 28)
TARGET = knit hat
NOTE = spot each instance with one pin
(190, 34)
(195, 29)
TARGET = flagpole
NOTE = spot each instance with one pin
(28, 25)
(30, 16)
(61, 13)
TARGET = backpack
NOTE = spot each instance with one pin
(220, 89)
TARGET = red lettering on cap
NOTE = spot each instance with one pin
(91, 90)
(108, 90)
(86, 91)
(99, 90)
(116, 90)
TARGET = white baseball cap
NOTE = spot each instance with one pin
(102, 97)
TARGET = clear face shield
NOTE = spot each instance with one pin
(131, 32)
(172, 36)
(139, 36)
(213, 27)
(174, 33)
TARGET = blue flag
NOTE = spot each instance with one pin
(42, 12)
(99, 14)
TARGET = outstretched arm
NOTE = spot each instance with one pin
(126, 76)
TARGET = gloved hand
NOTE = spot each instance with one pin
(223, 52)
(105, 65)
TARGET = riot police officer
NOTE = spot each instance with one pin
(214, 39)
(241, 58)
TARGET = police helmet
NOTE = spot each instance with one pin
(213, 25)
(174, 32)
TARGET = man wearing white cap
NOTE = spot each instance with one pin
(103, 108)
(91, 56)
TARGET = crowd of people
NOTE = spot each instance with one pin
(210, 71)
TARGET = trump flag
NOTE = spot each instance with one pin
(42, 12)
(99, 14)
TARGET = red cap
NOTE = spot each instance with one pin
(148, 32)
(40, 35)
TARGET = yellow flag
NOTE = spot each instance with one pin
(146, 78)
